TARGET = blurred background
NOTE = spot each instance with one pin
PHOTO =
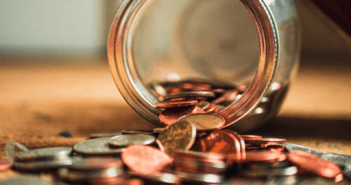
(54, 77)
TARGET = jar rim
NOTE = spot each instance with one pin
(130, 90)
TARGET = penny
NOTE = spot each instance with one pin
(145, 159)
(262, 156)
(218, 109)
(207, 94)
(294, 147)
(131, 139)
(204, 122)
(175, 104)
(314, 164)
(199, 162)
(42, 165)
(171, 115)
(250, 137)
(203, 104)
(96, 163)
(179, 136)
(44, 153)
(266, 141)
(98, 146)
(5, 165)
(104, 134)
(228, 96)
(211, 108)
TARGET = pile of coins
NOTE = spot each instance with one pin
(190, 149)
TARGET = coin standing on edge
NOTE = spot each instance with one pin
(131, 139)
(179, 136)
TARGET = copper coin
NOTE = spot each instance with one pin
(179, 136)
(261, 156)
(220, 141)
(228, 96)
(197, 87)
(251, 137)
(104, 134)
(145, 159)
(171, 115)
(175, 104)
(203, 104)
(196, 94)
(314, 164)
(5, 165)
(131, 139)
(218, 109)
(177, 99)
(266, 141)
(204, 122)
(211, 108)
(218, 91)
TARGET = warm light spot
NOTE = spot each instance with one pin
(173, 77)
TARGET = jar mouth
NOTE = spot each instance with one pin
(133, 89)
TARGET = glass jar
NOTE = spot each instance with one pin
(247, 43)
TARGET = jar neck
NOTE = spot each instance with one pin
(126, 78)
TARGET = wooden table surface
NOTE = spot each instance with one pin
(40, 100)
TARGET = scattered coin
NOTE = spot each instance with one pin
(340, 159)
(104, 134)
(294, 147)
(312, 163)
(98, 146)
(145, 159)
(204, 122)
(179, 136)
(203, 104)
(44, 154)
(10, 149)
(148, 132)
(131, 139)
(42, 165)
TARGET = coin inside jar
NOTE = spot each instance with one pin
(179, 136)
(171, 115)
(176, 104)
(131, 139)
(204, 122)
(189, 94)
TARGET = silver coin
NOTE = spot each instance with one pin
(293, 147)
(131, 139)
(10, 149)
(77, 175)
(98, 146)
(26, 180)
(208, 94)
(41, 165)
(204, 122)
(339, 159)
(200, 177)
(147, 132)
(347, 172)
(104, 134)
(44, 153)
(284, 171)
(164, 177)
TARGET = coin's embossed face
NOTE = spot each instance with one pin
(179, 136)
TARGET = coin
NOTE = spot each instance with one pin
(250, 137)
(104, 134)
(10, 149)
(210, 108)
(266, 141)
(5, 165)
(148, 132)
(131, 139)
(294, 147)
(314, 164)
(44, 153)
(171, 115)
(96, 163)
(203, 104)
(98, 146)
(179, 136)
(193, 94)
(175, 104)
(340, 159)
(42, 165)
(262, 155)
(145, 159)
(204, 122)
